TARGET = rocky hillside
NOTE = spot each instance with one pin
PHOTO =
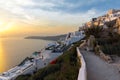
(106, 30)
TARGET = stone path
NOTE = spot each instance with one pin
(98, 69)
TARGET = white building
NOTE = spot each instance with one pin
(27, 68)
(113, 14)
(74, 37)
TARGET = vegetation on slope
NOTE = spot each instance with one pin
(94, 30)
(110, 45)
(66, 68)
(108, 39)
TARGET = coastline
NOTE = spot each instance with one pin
(40, 59)
(13, 47)
(51, 38)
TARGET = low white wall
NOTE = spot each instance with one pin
(82, 71)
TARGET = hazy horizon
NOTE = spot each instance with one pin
(48, 17)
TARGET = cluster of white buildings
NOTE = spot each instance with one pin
(74, 37)
(41, 58)
(18, 70)
(30, 65)
(111, 15)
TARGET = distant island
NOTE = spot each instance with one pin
(53, 38)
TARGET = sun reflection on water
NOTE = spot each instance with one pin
(2, 58)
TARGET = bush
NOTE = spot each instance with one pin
(94, 30)
(103, 41)
(45, 71)
(110, 44)
(23, 77)
(111, 49)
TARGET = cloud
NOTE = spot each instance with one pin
(51, 12)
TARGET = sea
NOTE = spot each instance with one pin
(14, 50)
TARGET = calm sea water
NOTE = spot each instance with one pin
(14, 50)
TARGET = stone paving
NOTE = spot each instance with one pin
(98, 69)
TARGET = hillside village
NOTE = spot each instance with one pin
(106, 30)
(111, 17)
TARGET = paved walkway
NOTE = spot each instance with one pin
(97, 69)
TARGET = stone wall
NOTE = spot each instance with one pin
(82, 71)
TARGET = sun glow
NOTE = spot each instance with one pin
(2, 58)
(4, 26)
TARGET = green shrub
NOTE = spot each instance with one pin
(94, 30)
(110, 44)
(23, 77)
(111, 49)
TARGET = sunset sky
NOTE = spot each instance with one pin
(48, 17)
